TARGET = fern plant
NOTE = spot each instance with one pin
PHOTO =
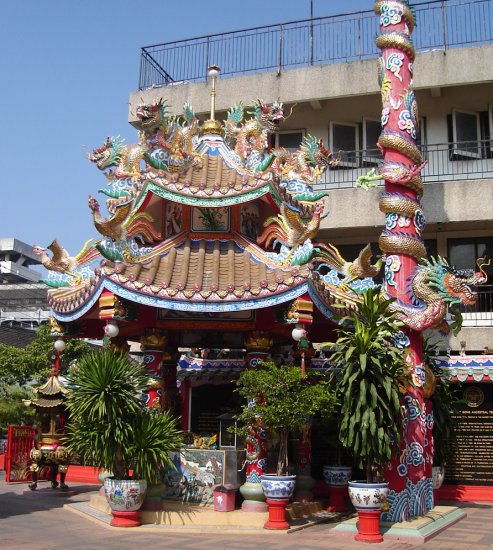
(109, 424)
(371, 370)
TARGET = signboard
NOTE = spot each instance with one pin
(472, 456)
(20, 441)
(197, 472)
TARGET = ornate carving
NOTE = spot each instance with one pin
(153, 338)
(258, 340)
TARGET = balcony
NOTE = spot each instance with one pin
(341, 38)
(481, 313)
(445, 163)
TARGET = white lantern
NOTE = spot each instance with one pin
(298, 333)
(111, 329)
(59, 345)
(214, 71)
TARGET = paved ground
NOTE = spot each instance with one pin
(29, 522)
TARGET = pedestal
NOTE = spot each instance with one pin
(254, 497)
(369, 526)
(277, 514)
(125, 519)
(337, 499)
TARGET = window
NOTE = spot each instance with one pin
(490, 125)
(463, 253)
(371, 133)
(291, 140)
(344, 140)
(466, 134)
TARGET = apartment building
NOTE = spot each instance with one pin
(324, 70)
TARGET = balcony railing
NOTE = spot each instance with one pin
(441, 24)
(481, 313)
(446, 162)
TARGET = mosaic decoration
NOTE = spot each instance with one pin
(414, 501)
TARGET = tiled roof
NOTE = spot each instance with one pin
(16, 336)
(198, 270)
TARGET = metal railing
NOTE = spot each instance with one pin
(441, 24)
(446, 162)
(479, 314)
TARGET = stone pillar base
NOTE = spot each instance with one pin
(254, 497)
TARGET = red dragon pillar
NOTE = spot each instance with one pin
(401, 241)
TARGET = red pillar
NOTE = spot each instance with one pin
(410, 489)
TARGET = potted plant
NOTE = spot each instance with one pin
(282, 399)
(372, 368)
(111, 429)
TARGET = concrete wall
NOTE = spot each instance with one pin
(434, 69)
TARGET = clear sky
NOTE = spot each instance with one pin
(67, 68)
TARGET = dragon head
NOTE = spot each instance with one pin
(38, 250)
(152, 115)
(268, 116)
(109, 154)
(454, 285)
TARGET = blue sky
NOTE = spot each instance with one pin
(67, 69)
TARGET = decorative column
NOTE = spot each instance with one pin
(301, 311)
(410, 488)
(258, 344)
(153, 343)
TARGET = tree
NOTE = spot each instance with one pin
(282, 399)
(21, 366)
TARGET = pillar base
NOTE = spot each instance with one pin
(125, 519)
(369, 526)
(277, 514)
(337, 499)
(254, 497)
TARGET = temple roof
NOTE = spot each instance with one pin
(216, 174)
(190, 275)
(52, 386)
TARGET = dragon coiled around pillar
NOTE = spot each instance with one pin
(437, 288)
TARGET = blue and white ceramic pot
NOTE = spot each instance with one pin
(278, 487)
(368, 496)
(125, 495)
(337, 476)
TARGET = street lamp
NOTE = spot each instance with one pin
(299, 334)
(111, 329)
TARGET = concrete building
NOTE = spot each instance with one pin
(325, 71)
(23, 300)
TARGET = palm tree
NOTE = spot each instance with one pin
(109, 423)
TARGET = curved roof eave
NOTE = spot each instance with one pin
(182, 304)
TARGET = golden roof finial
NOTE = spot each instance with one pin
(212, 126)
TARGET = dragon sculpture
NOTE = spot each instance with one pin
(248, 138)
(170, 138)
(308, 163)
(62, 262)
(437, 288)
(125, 158)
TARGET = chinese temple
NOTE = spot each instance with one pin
(208, 257)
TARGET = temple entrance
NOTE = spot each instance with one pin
(208, 402)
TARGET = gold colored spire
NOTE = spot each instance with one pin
(212, 126)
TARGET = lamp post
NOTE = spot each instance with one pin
(299, 335)
(58, 345)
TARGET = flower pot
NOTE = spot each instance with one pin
(125, 497)
(278, 490)
(368, 499)
(337, 477)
